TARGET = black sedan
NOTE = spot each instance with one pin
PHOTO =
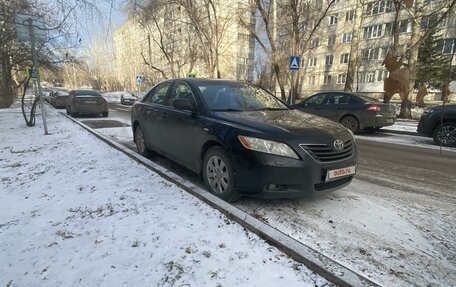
(128, 99)
(440, 124)
(354, 111)
(243, 140)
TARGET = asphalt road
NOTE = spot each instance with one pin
(401, 167)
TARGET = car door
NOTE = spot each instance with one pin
(151, 113)
(313, 104)
(335, 106)
(181, 128)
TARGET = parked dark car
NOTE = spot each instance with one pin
(58, 99)
(128, 99)
(243, 140)
(86, 102)
(440, 124)
(354, 111)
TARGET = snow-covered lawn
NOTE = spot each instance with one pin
(76, 212)
(404, 126)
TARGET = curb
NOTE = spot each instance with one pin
(315, 261)
(401, 132)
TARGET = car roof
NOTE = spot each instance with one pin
(85, 92)
(205, 80)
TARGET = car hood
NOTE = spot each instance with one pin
(286, 122)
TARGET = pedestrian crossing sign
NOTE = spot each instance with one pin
(294, 63)
(32, 73)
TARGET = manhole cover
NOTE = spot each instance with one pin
(99, 124)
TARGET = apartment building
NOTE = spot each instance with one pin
(325, 65)
(169, 45)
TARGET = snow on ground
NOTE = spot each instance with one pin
(404, 126)
(76, 212)
(395, 238)
(113, 97)
(416, 141)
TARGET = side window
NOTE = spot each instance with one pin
(316, 100)
(180, 91)
(338, 99)
(158, 94)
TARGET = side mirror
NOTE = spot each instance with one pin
(184, 104)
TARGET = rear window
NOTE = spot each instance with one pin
(129, 96)
(368, 99)
(87, 94)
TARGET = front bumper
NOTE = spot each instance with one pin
(292, 178)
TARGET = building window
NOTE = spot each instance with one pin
(331, 40)
(314, 43)
(333, 19)
(327, 80)
(329, 60)
(312, 62)
(382, 75)
(344, 58)
(383, 6)
(347, 37)
(373, 31)
(350, 15)
(371, 54)
(319, 4)
(448, 46)
(404, 26)
(342, 78)
(311, 80)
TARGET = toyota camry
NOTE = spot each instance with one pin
(242, 140)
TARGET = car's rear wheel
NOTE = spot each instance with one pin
(140, 141)
(219, 174)
(445, 134)
(105, 114)
(350, 123)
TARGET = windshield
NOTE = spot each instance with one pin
(238, 97)
(129, 96)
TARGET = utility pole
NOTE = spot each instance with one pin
(38, 76)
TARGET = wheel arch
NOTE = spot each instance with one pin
(360, 126)
(204, 148)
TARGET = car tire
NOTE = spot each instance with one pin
(141, 143)
(445, 134)
(105, 114)
(350, 123)
(219, 174)
(67, 111)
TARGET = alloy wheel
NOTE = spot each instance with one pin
(140, 141)
(447, 135)
(217, 175)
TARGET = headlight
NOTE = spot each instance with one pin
(430, 111)
(267, 146)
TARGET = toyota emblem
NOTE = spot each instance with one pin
(339, 145)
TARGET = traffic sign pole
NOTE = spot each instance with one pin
(38, 80)
(295, 62)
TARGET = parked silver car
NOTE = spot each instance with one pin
(86, 102)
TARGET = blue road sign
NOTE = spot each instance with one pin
(139, 79)
(294, 63)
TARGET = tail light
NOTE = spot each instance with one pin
(373, 108)
(76, 101)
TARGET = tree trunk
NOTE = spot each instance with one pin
(445, 92)
(354, 45)
(406, 109)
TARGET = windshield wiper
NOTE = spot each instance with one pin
(271, 109)
(227, 110)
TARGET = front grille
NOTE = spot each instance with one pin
(332, 184)
(325, 153)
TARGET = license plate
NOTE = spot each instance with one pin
(90, 102)
(341, 172)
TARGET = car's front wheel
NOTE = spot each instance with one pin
(140, 141)
(219, 174)
(445, 134)
(350, 123)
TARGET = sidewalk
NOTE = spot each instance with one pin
(78, 212)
